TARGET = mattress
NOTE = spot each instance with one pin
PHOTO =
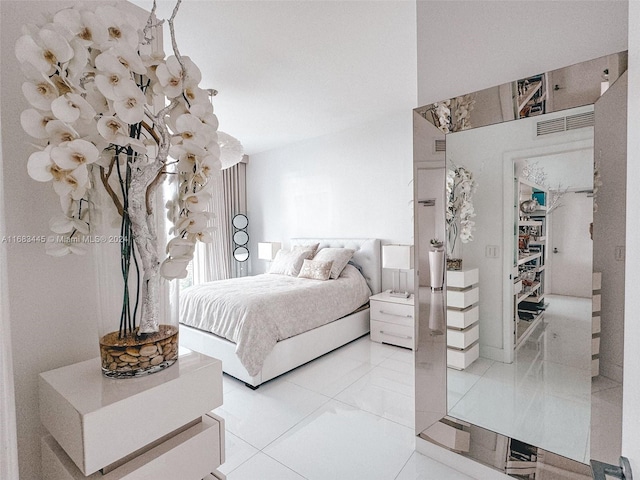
(256, 312)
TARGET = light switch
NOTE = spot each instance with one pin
(492, 251)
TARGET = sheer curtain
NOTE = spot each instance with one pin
(214, 261)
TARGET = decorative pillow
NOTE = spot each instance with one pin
(311, 249)
(288, 262)
(339, 256)
(315, 270)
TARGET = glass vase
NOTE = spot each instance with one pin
(125, 351)
(454, 248)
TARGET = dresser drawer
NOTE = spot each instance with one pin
(392, 313)
(462, 298)
(463, 338)
(392, 333)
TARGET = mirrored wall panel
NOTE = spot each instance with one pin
(523, 185)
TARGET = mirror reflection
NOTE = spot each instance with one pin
(532, 378)
(538, 213)
(241, 254)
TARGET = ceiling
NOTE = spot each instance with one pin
(291, 70)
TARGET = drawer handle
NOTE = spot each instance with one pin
(395, 314)
(406, 337)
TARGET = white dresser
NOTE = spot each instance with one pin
(463, 329)
(393, 320)
(158, 426)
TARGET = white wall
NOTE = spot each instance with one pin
(356, 183)
(466, 46)
(631, 413)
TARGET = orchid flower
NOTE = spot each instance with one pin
(85, 25)
(74, 154)
(173, 268)
(62, 224)
(190, 128)
(194, 223)
(114, 131)
(112, 74)
(122, 29)
(40, 94)
(198, 201)
(71, 106)
(129, 103)
(44, 52)
(60, 132)
(34, 122)
(180, 247)
(70, 182)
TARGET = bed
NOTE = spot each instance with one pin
(298, 342)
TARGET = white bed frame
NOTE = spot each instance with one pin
(295, 351)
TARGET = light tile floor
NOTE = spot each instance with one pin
(347, 415)
(545, 396)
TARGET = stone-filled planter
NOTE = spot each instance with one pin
(454, 264)
(135, 356)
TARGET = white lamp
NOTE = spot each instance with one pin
(398, 257)
(268, 250)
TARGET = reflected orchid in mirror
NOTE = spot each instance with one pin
(107, 112)
(453, 115)
(460, 187)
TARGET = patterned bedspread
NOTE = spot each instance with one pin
(256, 312)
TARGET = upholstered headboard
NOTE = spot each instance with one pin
(367, 255)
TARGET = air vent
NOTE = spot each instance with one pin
(563, 124)
(551, 126)
(580, 121)
(440, 146)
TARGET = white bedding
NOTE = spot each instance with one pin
(256, 312)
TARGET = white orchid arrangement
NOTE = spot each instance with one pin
(453, 115)
(460, 187)
(93, 84)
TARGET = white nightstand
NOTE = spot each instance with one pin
(392, 320)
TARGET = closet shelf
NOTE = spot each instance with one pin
(522, 259)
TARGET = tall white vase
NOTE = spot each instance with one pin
(436, 269)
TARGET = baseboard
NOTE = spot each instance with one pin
(458, 462)
(614, 372)
(492, 353)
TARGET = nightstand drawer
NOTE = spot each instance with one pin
(384, 332)
(392, 313)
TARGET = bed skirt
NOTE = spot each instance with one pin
(287, 354)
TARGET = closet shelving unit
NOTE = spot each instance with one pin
(529, 262)
(531, 96)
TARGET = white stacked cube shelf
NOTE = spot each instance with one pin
(463, 329)
(156, 426)
(595, 324)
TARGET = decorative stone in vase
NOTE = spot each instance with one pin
(454, 264)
